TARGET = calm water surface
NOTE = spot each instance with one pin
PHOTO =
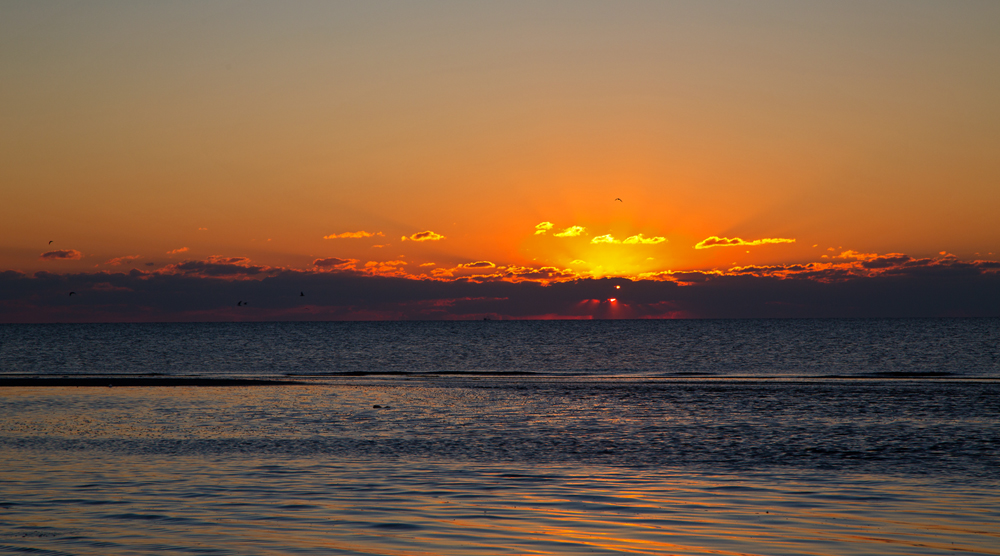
(581, 456)
(717, 348)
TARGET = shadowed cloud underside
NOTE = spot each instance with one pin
(895, 285)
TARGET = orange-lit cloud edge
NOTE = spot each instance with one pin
(848, 284)
(852, 265)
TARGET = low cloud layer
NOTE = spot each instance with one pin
(334, 262)
(893, 285)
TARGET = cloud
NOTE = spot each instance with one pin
(715, 241)
(219, 259)
(109, 287)
(543, 227)
(353, 235)
(334, 262)
(852, 254)
(202, 229)
(572, 231)
(68, 254)
(516, 274)
(428, 264)
(886, 261)
(639, 239)
(477, 264)
(176, 251)
(426, 235)
(119, 260)
(217, 266)
(386, 268)
(578, 261)
(893, 285)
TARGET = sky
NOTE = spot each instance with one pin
(796, 158)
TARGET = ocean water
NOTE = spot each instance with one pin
(961, 348)
(637, 437)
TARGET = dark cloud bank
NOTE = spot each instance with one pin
(211, 290)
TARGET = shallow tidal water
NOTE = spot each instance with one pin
(746, 437)
(502, 467)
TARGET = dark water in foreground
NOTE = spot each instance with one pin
(608, 444)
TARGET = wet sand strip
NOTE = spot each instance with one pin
(141, 381)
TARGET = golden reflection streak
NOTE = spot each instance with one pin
(833, 532)
(636, 546)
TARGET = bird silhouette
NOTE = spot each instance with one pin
(50, 241)
(71, 293)
(240, 304)
(302, 294)
(619, 200)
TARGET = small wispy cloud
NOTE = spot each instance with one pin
(852, 254)
(61, 255)
(715, 241)
(354, 235)
(638, 239)
(202, 229)
(178, 250)
(118, 261)
(478, 264)
(428, 264)
(543, 227)
(334, 262)
(606, 238)
(426, 235)
(386, 268)
(220, 259)
(572, 231)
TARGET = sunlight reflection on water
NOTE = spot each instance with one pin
(500, 468)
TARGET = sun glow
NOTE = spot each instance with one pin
(616, 260)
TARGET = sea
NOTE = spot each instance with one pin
(673, 437)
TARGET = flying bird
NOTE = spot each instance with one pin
(71, 293)
(50, 241)
(619, 199)
(240, 304)
(302, 294)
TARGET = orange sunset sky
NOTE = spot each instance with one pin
(143, 135)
